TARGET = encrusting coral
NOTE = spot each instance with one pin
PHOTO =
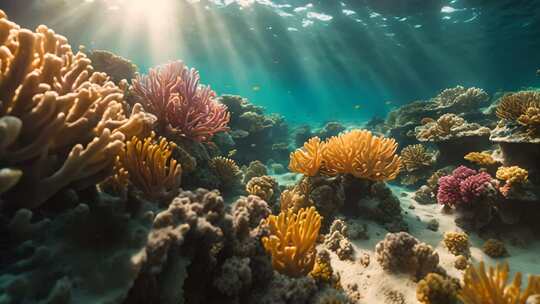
(494, 248)
(457, 243)
(437, 289)
(149, 167)
(415, 157)
(481, 286)
(308, 159)
(59, 109)
(512, 176)
(401, 252)
(481, 158)
(291, 242)
(182, 106)
(264, 187)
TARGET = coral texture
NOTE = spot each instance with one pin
(337, 241)
(464, 98)
(512, 176)
(436, 289)
(481, 286)
(481, 158)
(512, 106)
(66, 122)
(149, 167)
(173, 94)
(415, 157)
(494, 248)
(226, 170)
(264, 187)
(447, 127)
(308, 159)
(292, 241)
(464, 186)
(117, 67)
(401, 252)
(255, 169)
(457, 243)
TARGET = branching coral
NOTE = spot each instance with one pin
(465, 97)
(150, 167)
(308, 159)
(363, 155)
(437, 289)
(66, 112)
(292, 240)
(481, 158)
(296, 198)
(531, 120)
(227, 170)
(264, 187)
(481, 286)
(512, 106)
(172, 93)
(464, 185)
(415, 157)
(449, 126)
(513, 176)
(457, 243)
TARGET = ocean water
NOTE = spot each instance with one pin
(313, 61)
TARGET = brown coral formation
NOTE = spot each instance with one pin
(447, 127)
(65, 110)
(481, 158)
(415, 157)
(291, 242)
(337, 240)
(117, 67)
(437, 289)
(494, 248)
(512, 106)
(226, 170)
(481, 286)
(457, 243)
(459, 96)
(264, 187)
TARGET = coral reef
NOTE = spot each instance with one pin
(494, 248)
(264, 187)
(436, 289)
(227, 171)
(481, 286)
(454, 137)
(148, 166)
(182, 106)
(337, 241)
(292, 241)
(401, 252)
(461, 262)
(481, 158)
(255, 169)
(322, 271)
(461, 99)
(415, 157)
(64, 123)
(117, 67)
(465, 186)
(457, 243)
(308, 159)
(513, 176)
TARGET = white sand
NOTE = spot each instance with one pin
(375, 284)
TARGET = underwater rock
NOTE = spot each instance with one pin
(117, 67)
(336, 240)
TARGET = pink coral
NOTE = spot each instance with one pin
(172, 93)
(464, 185)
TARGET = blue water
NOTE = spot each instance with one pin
(313, 61)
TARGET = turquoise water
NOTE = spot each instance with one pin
(313, 61)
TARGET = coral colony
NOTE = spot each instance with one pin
(118, 187)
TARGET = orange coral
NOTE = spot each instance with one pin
(513, 176)
(292, 241)
(481, 286)
(150, 167)
(480, 158)
(308, 159)
(363, 155)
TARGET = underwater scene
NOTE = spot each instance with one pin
(270, 151)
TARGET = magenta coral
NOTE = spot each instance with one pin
(464, 185)
(172, 92)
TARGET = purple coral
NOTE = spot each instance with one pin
(172, 92)
(464, 185)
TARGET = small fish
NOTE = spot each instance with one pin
(256, 88)
(253, 145)
(357, 107)
(388, 102)
(231, 153)
(538, 72)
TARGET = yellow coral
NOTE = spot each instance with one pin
(363, 155)
(308, 159)
(481, 287)
(264, 187)
(512, 106)
(480, 158)
(323, 273)
(415, 157)
(512, 175)
(226, 170)
(531, 119)
(436, 289)
(150, 167)
(292, 240)
(457, 243)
